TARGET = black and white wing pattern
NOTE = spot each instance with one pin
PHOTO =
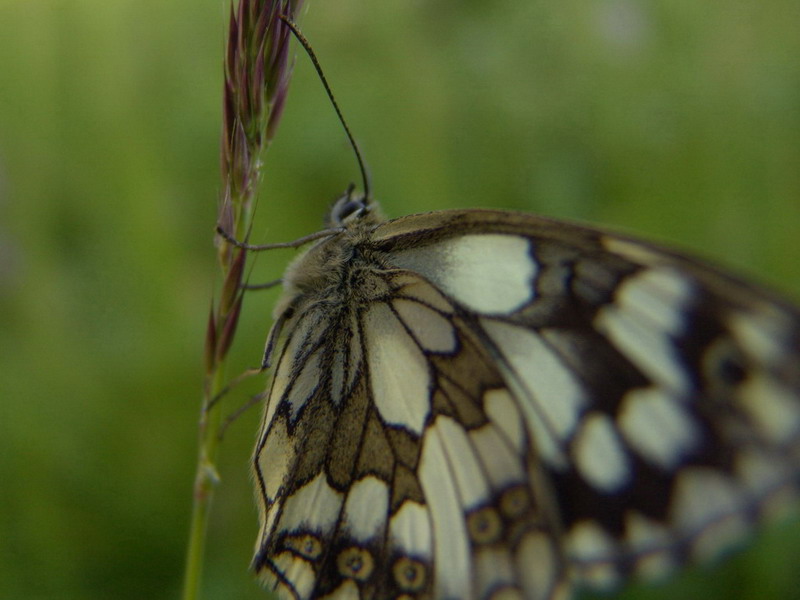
(490, 405)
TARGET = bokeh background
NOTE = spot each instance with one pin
(678, 120)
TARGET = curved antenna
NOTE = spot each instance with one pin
(307, 47)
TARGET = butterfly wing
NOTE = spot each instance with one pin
(663, 398)
(514, 402)
(395, 462)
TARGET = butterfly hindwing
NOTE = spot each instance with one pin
(386, 482)
(482, 404)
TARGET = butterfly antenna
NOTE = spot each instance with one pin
(307, 47)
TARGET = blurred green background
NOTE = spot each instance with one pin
(678, 120)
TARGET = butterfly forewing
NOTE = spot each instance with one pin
(482, 404)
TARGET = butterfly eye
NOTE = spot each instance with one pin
(347, 207)
(350, 208)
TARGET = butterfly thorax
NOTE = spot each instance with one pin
(342, 270)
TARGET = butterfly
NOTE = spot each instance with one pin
(479, 404)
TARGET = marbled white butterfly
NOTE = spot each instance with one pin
(480, 404)
(487, 404)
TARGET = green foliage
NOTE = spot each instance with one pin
(673, 120)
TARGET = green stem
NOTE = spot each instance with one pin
(205, 480)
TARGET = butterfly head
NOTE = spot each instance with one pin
(350, 208)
